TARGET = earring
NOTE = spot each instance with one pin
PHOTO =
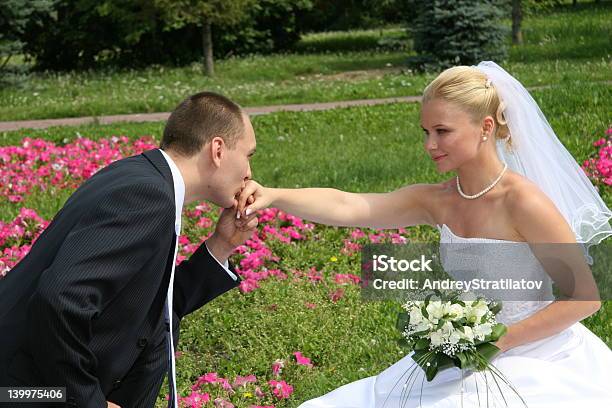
(484, 138)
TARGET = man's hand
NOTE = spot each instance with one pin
(111, 405)
(230, 233)
(254, 197)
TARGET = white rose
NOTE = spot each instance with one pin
(447, 327)
(454, 337)
(457, 311)
(476, 311)
(468, 334)
(482, 330)
(422, 325)
(436, 310)
(416, 316)
(437, 338)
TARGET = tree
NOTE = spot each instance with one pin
(14, 17)
(457, 32)
(517, 20)
(204, 14)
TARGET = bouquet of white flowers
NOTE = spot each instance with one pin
(444, 331)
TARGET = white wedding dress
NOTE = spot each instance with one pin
(572, 369)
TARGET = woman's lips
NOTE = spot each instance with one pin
(438, 158)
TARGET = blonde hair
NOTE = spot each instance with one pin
(470, 89)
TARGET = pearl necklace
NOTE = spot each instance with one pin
(471, 197)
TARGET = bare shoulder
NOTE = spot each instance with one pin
(428, 193)
(432, 199)
(534, 215)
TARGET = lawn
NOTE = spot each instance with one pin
(360, 149)
(304, 306)
(565, 45)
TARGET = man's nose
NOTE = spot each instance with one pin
(248, 174)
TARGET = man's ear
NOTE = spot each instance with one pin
(217, 150)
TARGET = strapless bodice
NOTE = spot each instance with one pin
(495, 260)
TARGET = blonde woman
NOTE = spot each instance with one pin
(514, 183)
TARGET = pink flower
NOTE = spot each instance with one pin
(346, 279)
(277, 367)
(376, 238)
(599, 142)
(350, 247)
(278, 273)
(221, 403)
(280, 389)
(242, 381)
(301, 360)
(195, 400)
(310, 305)
(248, 285)
(356, 234)
(314, 275)
(336, 295)
(208, 378)
(204, 222)
(224, 384)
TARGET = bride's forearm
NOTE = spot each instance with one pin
(547, 322)
(321, 205)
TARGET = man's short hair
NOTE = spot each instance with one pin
(200, 118)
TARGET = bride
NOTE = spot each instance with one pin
(515, 183)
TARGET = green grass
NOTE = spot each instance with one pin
(361, 149)
(354, 40)
(567, 45)
(358, 149)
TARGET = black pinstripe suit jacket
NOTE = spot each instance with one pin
(84, 308)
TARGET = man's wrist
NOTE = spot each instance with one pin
(219, 248)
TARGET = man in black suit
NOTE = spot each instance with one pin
(85, 308)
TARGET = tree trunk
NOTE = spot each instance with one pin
(207, 44)
(517, 19)
(8, 58)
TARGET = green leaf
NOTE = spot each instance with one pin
(404, 342)
(463, 361)
(495, 308)
(487, 350)
(402, 321)
(421, 344)
(497, 331)
(424, 311)
(444, 362)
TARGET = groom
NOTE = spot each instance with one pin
(85, 308)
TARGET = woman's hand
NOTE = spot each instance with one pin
(503, 344)
(253, 197)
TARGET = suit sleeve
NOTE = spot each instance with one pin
(198, 280)
(107, 248)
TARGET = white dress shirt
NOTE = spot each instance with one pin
(179, 198)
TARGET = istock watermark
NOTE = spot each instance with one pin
(503, 271)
